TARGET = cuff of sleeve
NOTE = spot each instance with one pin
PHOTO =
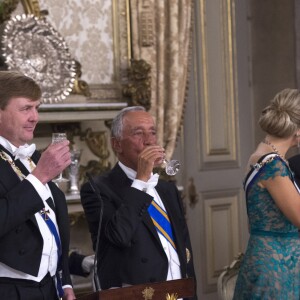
(140, 185)
(87, 264)
(40, 188)
(67, 286)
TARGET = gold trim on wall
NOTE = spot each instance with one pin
(31, 7)
(216, 86)
(122, 38)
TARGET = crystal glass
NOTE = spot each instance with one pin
(172, 167)
(58, 137)
(73, 171)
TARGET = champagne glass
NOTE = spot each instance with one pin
(172, 167)
(58, 137)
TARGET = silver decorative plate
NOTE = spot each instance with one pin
(32, 46)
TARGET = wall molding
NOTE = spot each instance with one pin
(220, 229)
(216, 84)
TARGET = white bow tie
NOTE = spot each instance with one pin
(24, 151)
(152, 182)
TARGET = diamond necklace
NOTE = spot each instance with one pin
(265, 141)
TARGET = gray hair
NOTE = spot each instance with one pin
(117, 123)
(282, 117)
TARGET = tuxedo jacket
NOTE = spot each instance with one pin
(21, 242)
(130, 251)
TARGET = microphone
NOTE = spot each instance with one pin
(96, 191)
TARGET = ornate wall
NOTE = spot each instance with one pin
(88, 29)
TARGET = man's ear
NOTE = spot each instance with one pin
(116, 145)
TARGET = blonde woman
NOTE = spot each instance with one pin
(271, 265)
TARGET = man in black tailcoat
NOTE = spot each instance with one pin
(34, 226)
(134, 247)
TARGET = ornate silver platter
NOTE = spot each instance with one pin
(32, 46)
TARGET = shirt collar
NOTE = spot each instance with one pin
(130, 173)
(7, 145)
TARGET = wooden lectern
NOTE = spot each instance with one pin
(169, 290)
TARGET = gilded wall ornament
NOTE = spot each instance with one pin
(97, 144)
(138, 90)
(80, 86)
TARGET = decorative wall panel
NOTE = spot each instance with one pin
(217, 85)
(221, 234)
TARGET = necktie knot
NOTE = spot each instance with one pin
(24, 151)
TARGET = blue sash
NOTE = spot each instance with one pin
(161, 221)
(53, 230)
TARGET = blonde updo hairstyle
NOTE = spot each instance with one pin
(282, 117)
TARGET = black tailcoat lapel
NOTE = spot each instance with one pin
(8, 176)
(120, 181)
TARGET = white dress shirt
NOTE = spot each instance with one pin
(149, 187)
(49, 253)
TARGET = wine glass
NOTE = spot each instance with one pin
(58, 137)
(172, 167)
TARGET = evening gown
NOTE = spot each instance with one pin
(271, 266)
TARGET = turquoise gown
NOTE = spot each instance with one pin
(271, 266)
